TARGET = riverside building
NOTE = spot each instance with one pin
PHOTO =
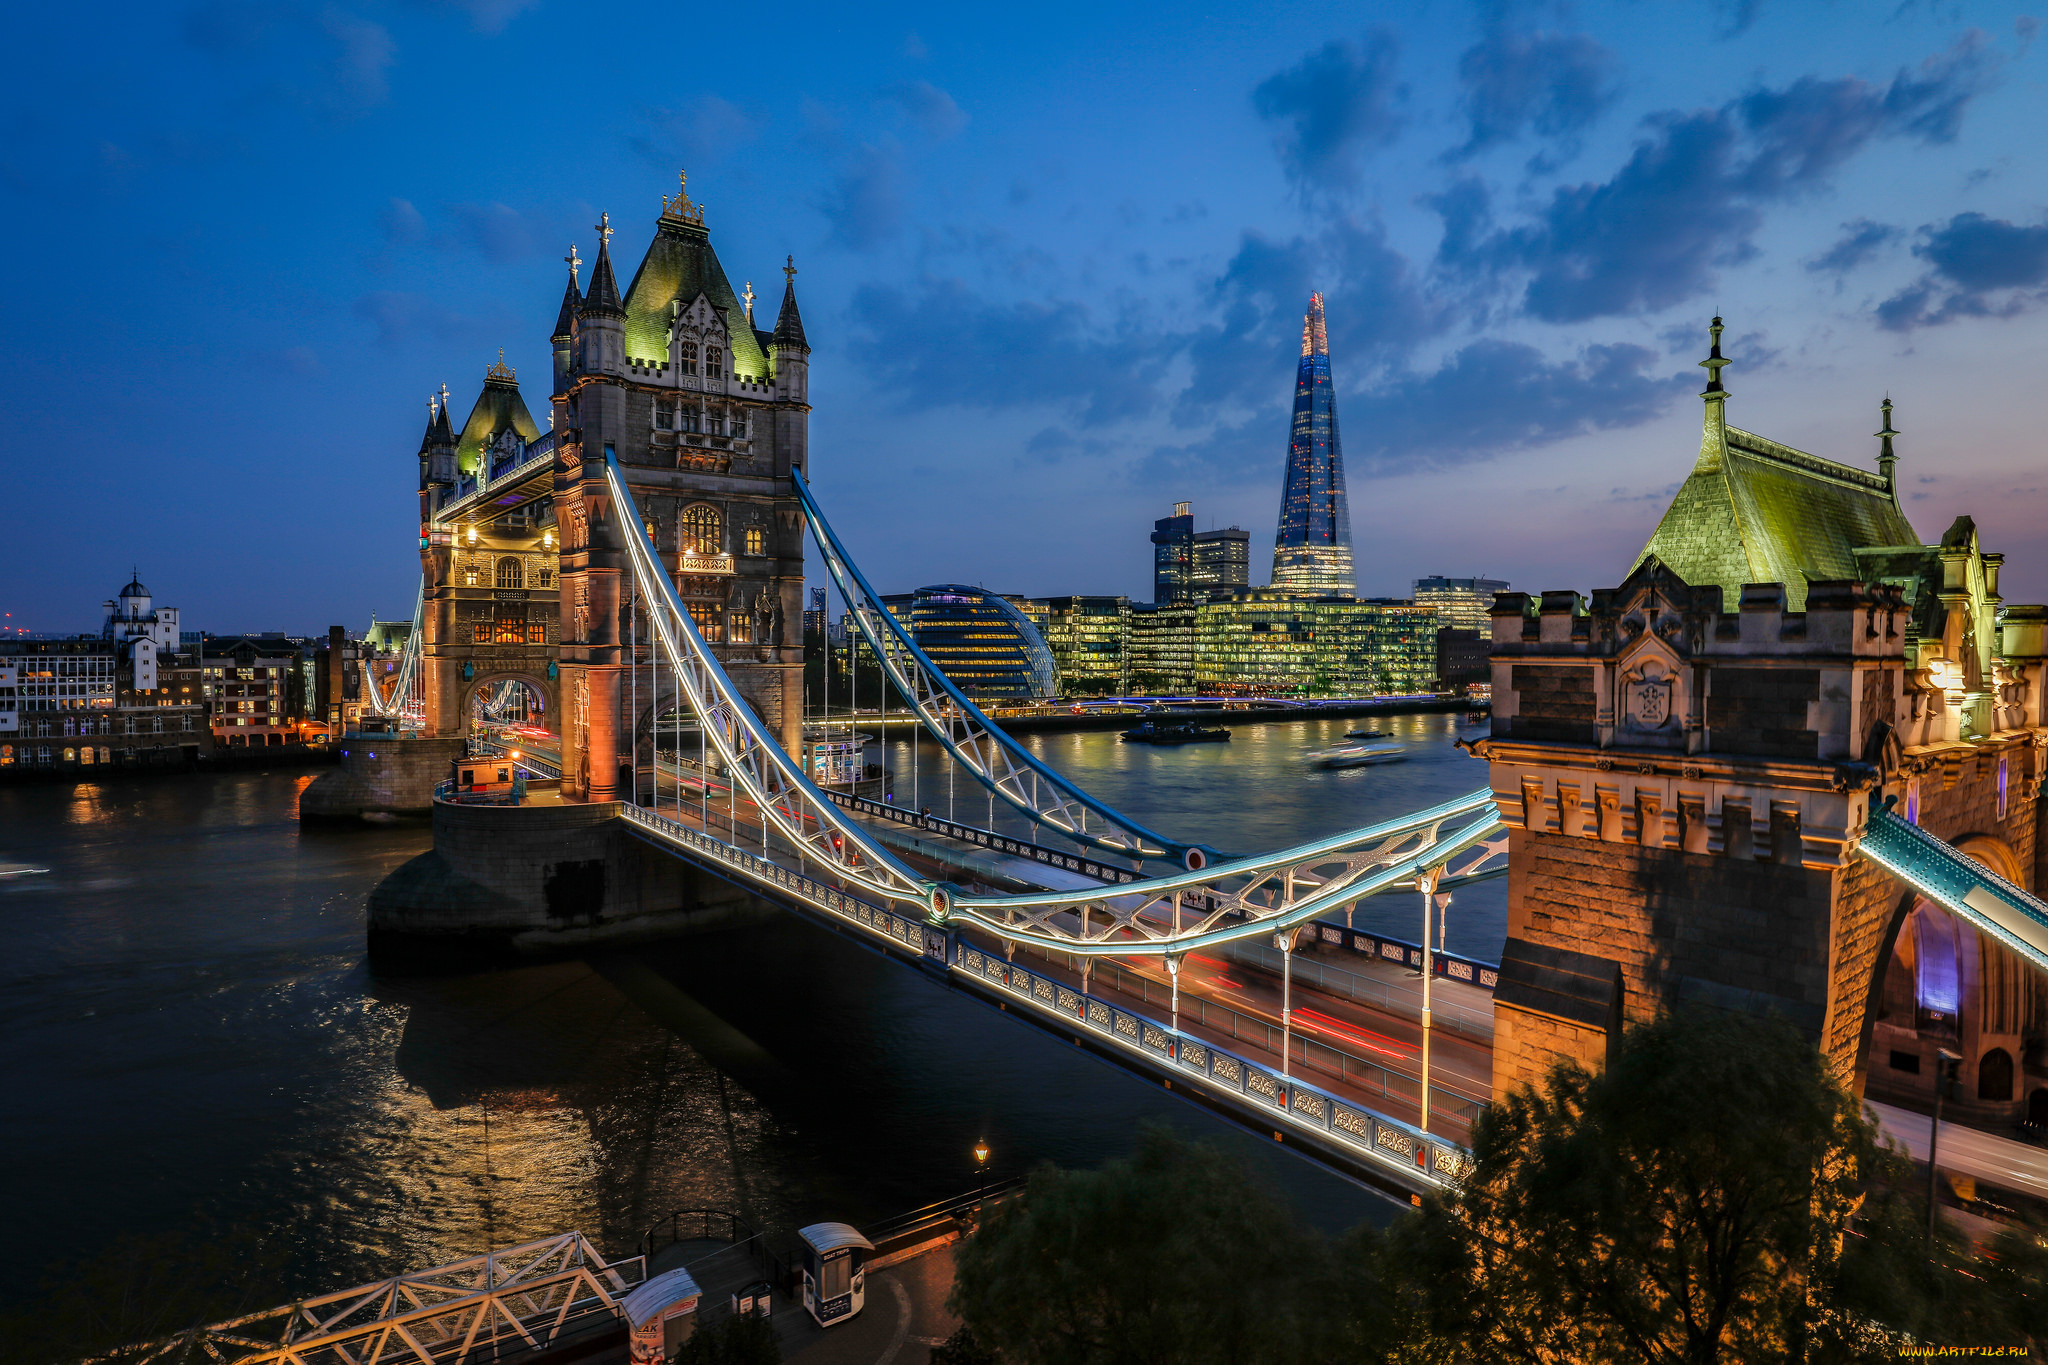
(1188, 565)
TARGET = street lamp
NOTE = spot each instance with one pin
(1945, 1063)
(981, 1174)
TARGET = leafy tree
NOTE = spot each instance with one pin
(737, 1340)
(1174, 1254)
(1714, 1195)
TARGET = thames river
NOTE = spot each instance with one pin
(195, 1043)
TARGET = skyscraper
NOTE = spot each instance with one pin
(1312, 552)
(1187, 565)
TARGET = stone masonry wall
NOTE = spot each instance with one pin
(1526, 1046)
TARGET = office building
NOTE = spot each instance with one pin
(1461, 603)
(981, 640)
(1161, 649)
(1266, 643)
(1312, 550)
(1088, 636)
(1188, 565)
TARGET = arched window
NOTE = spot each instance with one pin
(510, 574)
(757, 543)
(714, 363)
(703, 530)
(686, 357)
(1994, 1075)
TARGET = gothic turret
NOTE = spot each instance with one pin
(1887, 461)
(601, 320)
(564, 337)
(437, 463)
(792, 352)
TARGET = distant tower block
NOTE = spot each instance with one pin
(1312, 552)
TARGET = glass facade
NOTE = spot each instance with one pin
(979, 639)
(1265, 643)
(1187, 565)
(1161, 649)
(1088, 636)
(1312, 550)
(1461, 603)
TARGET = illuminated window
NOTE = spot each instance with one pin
(511, 627)
(710, 621)
(757, 542)
(483, 632)
(714, 363)
(703, 529)
(742, 626)
(469, 576)
(686, 357)
(510, 575)
(536, 633)
(544, 576)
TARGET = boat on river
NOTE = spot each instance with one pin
(1360, 755)
(1365, 734)
(1175, 732)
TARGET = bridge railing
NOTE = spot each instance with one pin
(1289, 1101)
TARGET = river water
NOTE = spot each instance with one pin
(195, 1044)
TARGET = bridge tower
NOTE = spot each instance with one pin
(706, 415)
(1686, 762)
(488, 555)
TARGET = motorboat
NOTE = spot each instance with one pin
(1365, 734)
(1175, 732)
(1360, 755)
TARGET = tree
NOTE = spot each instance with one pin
(741, 1339)
(1173, 1254)
(1714, 1195)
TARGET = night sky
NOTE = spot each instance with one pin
(1053, 263)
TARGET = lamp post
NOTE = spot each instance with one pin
(981, 1175)
(1945, 1063)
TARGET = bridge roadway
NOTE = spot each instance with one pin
(1368, 1051)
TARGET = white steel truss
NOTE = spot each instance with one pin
(995, 761)
(1231, 900)
(519, 1299)
(404, 699)
(776, 783)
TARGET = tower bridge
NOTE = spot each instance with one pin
(1792, 764)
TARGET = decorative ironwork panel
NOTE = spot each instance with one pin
(1155, 1038)
(1227, 1069)
(1098, 1014)
(971, 961)
(1394, 1140)
(1125, 1024)
(1070, 1001)
(1308, 1102)
(1260, 1084)
(1350, 1121)
(1194, 1056)
(993, 970)
(1041, 988)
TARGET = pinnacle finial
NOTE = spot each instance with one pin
(573, 259)
(444, 396)
(604, 229)
(1886, 408)
(1714, 361)
(789, 270)
(680, 208)
(749, 297)
(433, 407)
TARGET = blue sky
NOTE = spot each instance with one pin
(1052, 263)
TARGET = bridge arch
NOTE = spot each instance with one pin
(1939, 983)
(548, 692)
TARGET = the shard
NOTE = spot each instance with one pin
(1312, 552)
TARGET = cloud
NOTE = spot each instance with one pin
(1376, 309)
(864, 203)
(1689, 198)
(1332, 107)
(399, 317)
(1555, 83)
(931, 109)
(329, 59)
(496, 231)
(700, 131)
(943, 345)
(490, 16)
(1860, 240)
(363, 50)
(401, 221)
(1982, 267)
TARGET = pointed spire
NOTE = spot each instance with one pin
(1315, 338)
(604, 286)
(1887, 461)
(565, 321)
(433, 414)
(1714, 362)
(789, 324)
(443, 432)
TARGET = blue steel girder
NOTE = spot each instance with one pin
(1959, 884)
(995, 761)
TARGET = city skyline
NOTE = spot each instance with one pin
(1037, 262)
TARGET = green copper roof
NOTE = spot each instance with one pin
(1755, 511)
(680, 264)
(499, 406)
